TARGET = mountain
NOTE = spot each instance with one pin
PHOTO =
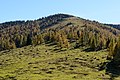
(17, 34)
(117, 26)
(59, 46)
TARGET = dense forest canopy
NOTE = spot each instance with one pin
(61, 30)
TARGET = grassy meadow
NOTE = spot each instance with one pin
(45, 62)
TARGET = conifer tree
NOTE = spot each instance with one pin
(111, 48)
(65, 41)
(59, 41)
(40, 39)
(34, 40)
(62, 41)
(116, 53)
(81, 40)
(21, 41)
(93, 43)
(29, 39)
(12, 44)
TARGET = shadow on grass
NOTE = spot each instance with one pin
(92, 49)
(89, 50)
(112, 69)
(50, 43)
(57, 49)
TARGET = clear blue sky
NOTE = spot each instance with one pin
(107, 11)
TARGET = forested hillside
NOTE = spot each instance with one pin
(64, 27)
(59, 29)
(65, 32)
(20, 33)
(117, 26)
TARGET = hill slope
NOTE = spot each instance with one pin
(46, 63)
(58, 47)
(20, 33)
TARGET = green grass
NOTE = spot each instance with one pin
(45, 63)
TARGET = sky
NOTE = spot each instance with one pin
(104, 11)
